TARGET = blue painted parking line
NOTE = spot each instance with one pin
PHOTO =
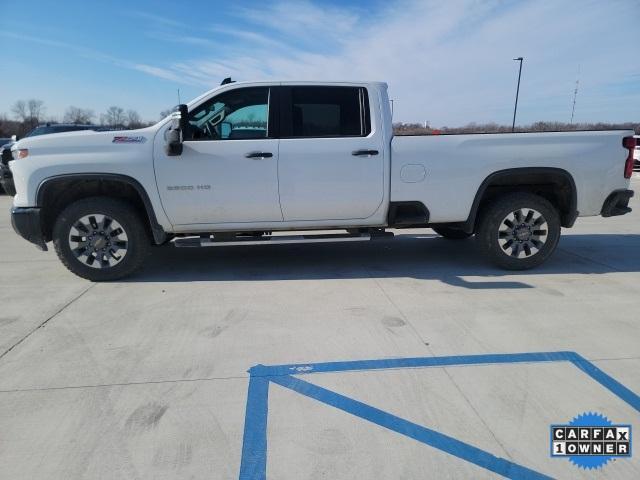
(254, 443)
(254, 449)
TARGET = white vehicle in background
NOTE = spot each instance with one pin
(636, 155)
(246, 162)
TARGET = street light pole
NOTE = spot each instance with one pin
(515, 109)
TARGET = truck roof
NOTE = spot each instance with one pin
(234, 84)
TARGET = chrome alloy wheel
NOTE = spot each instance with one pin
(98, 241)
(522, 233)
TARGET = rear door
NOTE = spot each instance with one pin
(331, 161)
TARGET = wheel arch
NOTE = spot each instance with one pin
(55, 193)
(555, 184)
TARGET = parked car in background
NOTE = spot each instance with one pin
(636, 155)
(5, 142)
(6, 178)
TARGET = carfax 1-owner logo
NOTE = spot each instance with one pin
(590, 440)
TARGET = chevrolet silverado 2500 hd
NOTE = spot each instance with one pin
(246, 162)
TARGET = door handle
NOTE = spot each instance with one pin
(259, 155)
(364, 153)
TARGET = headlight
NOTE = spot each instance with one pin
(20, 153)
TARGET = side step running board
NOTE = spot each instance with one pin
(273, 240)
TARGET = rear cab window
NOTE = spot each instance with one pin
(324, 112)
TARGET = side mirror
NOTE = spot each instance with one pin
(14, 138)
(178, 131)
(184, 118)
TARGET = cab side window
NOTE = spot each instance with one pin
(239, 114)
(327, 112)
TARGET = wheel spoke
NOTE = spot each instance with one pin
(119, 245)
(106, 223)
(537, 243)
(528, 218)
(81, 227)
(518, 216)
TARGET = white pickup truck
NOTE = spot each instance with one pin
(246, 162)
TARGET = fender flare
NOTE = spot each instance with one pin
(159, 234)
(568, 218)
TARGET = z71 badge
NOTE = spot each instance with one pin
(129, 139)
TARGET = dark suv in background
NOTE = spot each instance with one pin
(6, 178)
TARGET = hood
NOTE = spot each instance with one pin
(85, 140)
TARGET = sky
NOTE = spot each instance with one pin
(447, 62)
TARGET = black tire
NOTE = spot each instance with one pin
(451, 233)
(133, 241)
(498, 240)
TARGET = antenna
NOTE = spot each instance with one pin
(575, 94)
(178, 96)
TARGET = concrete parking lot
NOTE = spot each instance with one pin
(148, 378)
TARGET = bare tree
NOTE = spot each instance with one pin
(29, 112)
(78, 116)
(19, 109)
(114, 117)
(133, 119)
(36, 110)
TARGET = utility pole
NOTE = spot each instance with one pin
(575, 94)
(515, 108)
(391, 100)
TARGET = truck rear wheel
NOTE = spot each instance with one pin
(100, 239)
(451, 233)
(518, 231)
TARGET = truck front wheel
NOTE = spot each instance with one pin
(100, 238)
(518, 231)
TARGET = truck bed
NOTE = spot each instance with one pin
(422, 166)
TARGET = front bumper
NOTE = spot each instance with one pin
(26, 222)
(617, 203)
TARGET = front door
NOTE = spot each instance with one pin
(228, 170)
